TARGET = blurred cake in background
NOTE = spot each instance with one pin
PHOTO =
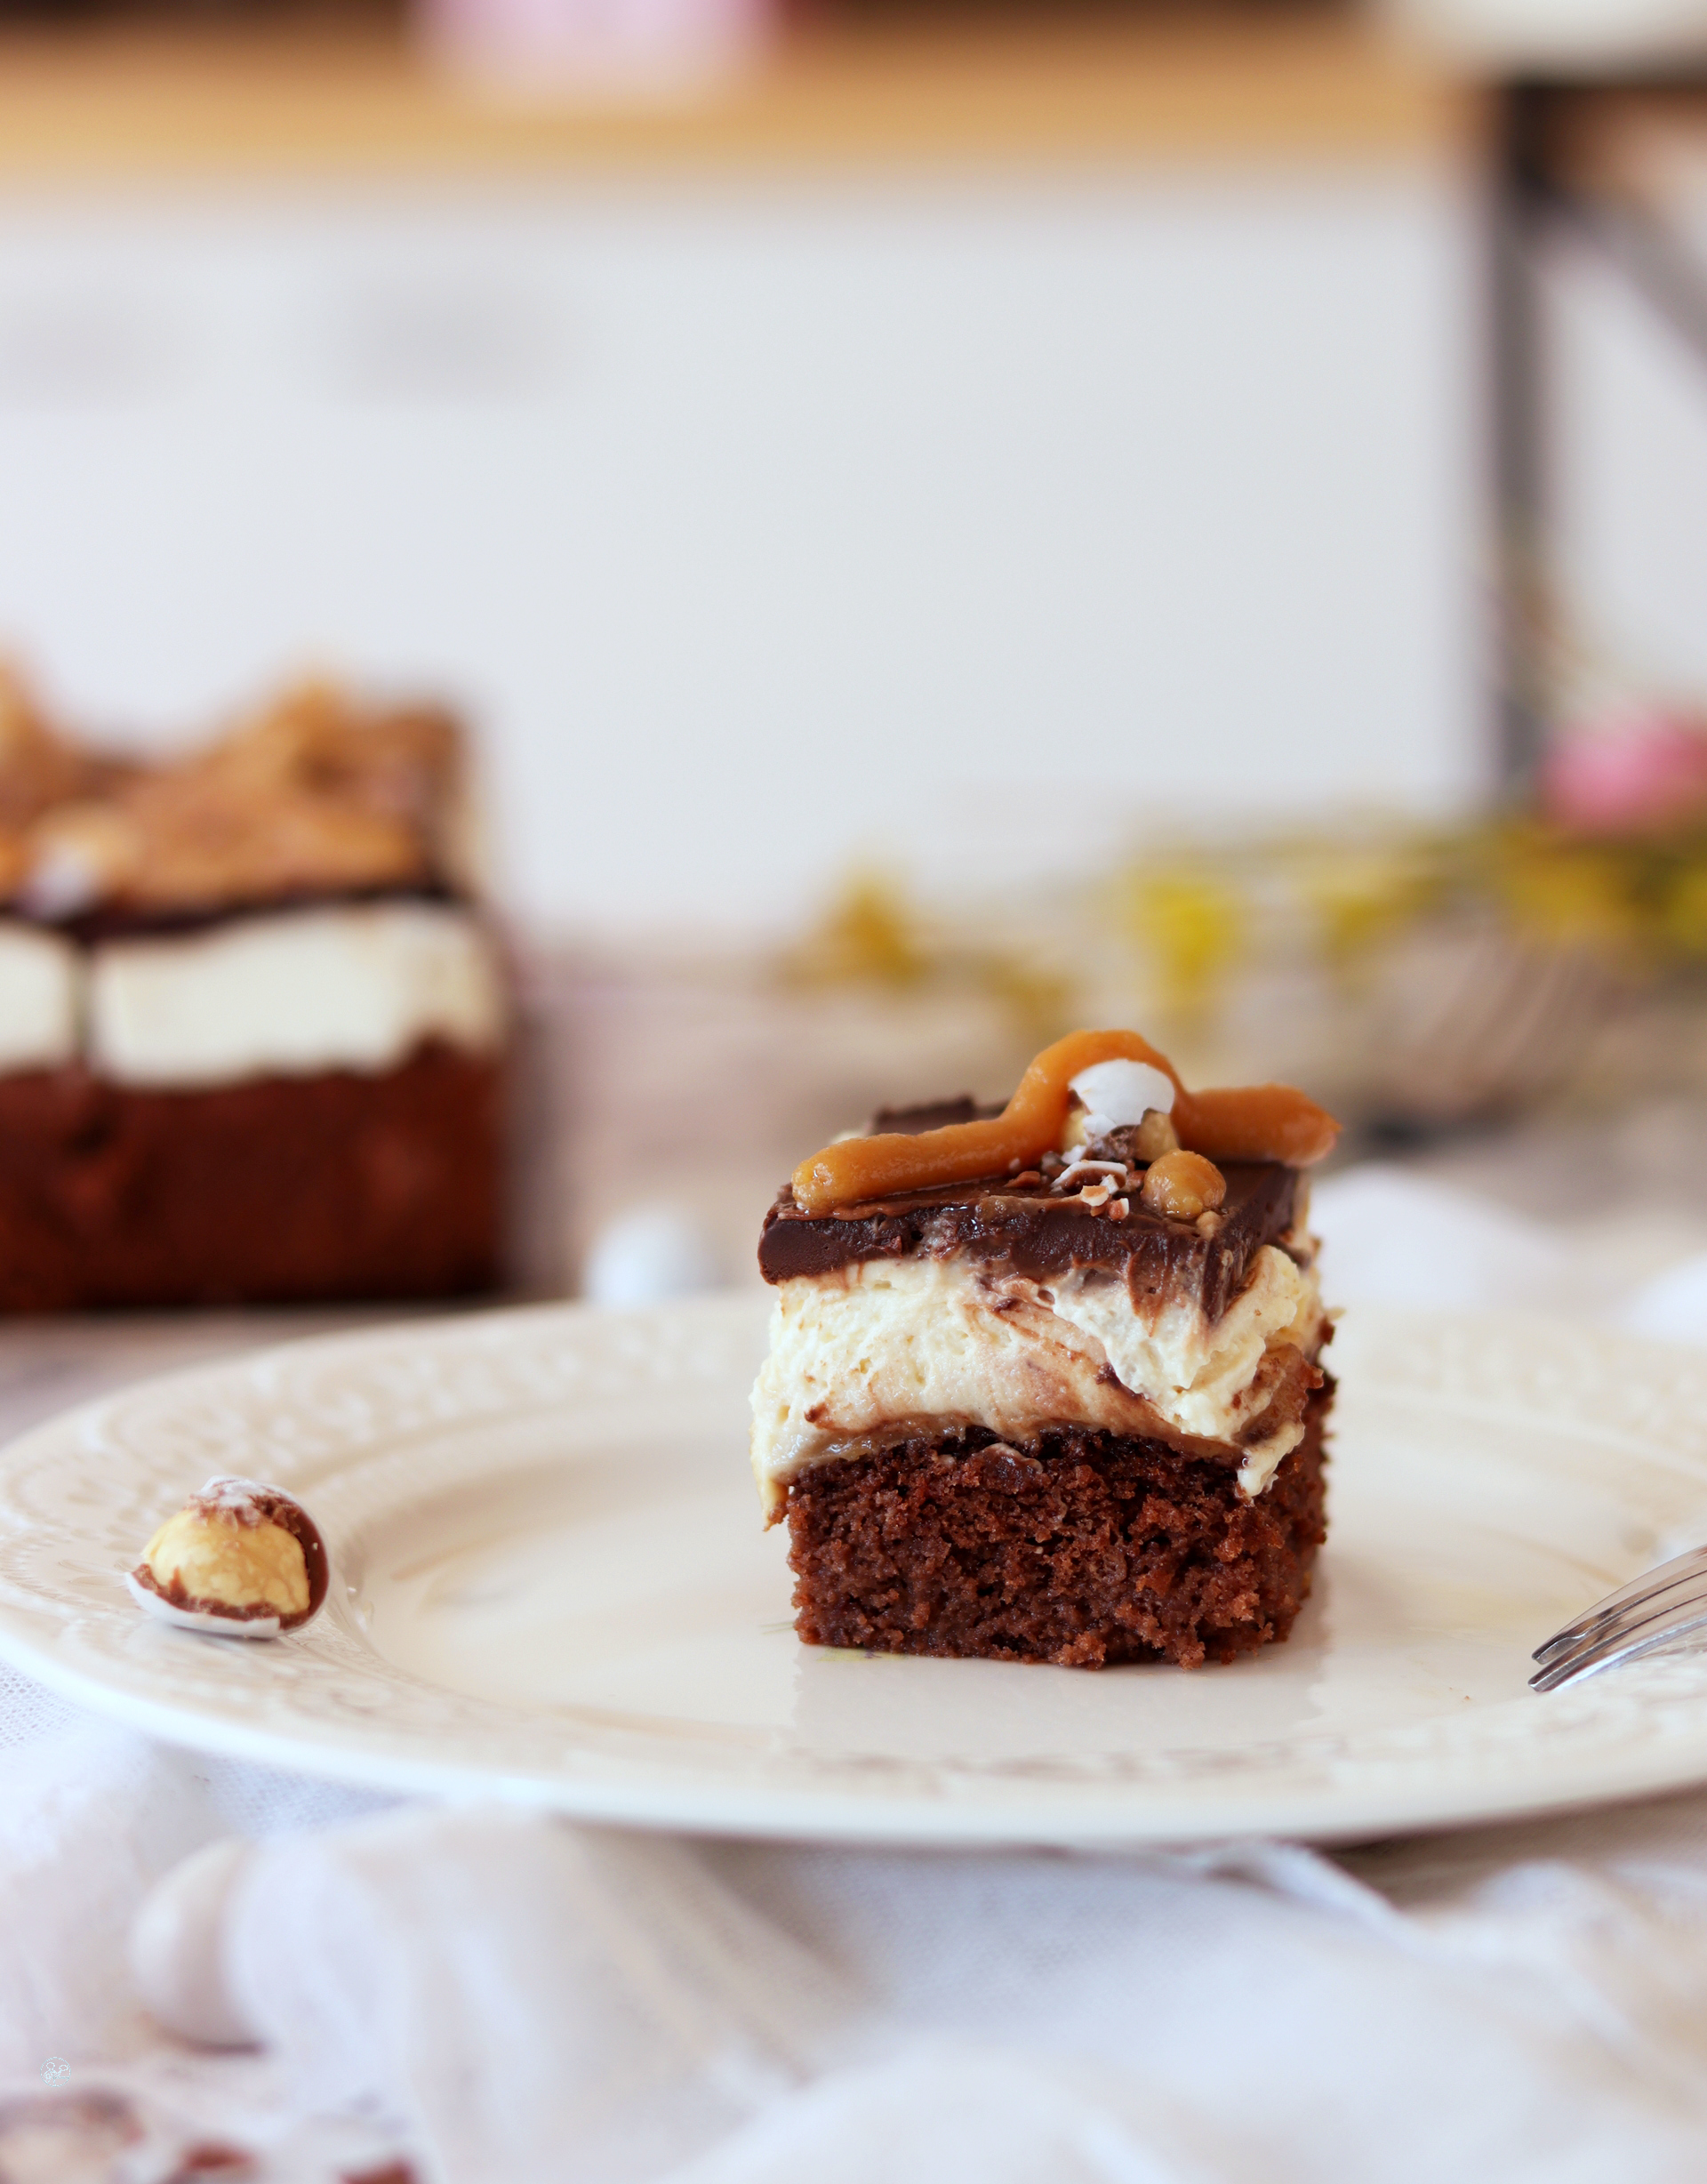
(253, 1021)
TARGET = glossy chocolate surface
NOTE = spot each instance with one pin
(1042, 1235)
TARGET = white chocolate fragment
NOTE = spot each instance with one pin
(1122, 1093)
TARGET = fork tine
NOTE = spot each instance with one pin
(1650, 1585)
(1679, 1571)
(1613, 1612)
(1676, 1600)
(1666, 1631)
(1618, 1608)
(1626, 1640)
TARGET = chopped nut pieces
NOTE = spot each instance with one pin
(38, 768)
(238, 1559)
(1097, 1169)
(1183, 1184)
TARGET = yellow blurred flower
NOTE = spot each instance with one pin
(1362, 897)
(1192, 924)
(1564, 892)
(867, 935)
(1683, 912)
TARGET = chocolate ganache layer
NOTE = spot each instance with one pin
(1024, 1230)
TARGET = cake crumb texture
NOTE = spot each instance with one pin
(1084, 1548)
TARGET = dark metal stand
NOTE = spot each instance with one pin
(1534, 194)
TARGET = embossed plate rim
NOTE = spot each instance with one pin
(331, 1413)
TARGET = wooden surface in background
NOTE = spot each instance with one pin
(113, 103)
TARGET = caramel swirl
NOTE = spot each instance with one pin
(1247, 1122)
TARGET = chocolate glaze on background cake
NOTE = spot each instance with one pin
(253, 1025)
(1070, 1412)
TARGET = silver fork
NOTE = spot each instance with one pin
(1651, 1611)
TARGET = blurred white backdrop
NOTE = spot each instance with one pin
(1627, 415)
(768, 525)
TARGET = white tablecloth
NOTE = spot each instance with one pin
(493, 1998)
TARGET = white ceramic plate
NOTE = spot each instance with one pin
(550, 1584)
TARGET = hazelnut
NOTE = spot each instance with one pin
(1154, 1137)
(239, 1559)
(1183, 1184)
(1138, 1142)
(1072, 1137)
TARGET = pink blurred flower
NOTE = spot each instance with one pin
(620, 45)
(1637, 774)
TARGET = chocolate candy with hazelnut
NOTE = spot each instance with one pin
(239, 1559)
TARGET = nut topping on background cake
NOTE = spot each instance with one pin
(37, 767)
(76, 855)
(38, 771)
(314, 796)
(239, 1560)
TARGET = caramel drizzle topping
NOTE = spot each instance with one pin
(1243, 1122)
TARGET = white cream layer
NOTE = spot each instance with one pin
(40, 982)
(355, 987)
(885, 1340)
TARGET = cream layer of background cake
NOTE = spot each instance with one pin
(357, 986)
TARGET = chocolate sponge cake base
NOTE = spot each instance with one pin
(285, 1190)
(1084, 1549)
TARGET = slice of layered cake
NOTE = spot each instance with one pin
(252, 1023)
(1044, 1382)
